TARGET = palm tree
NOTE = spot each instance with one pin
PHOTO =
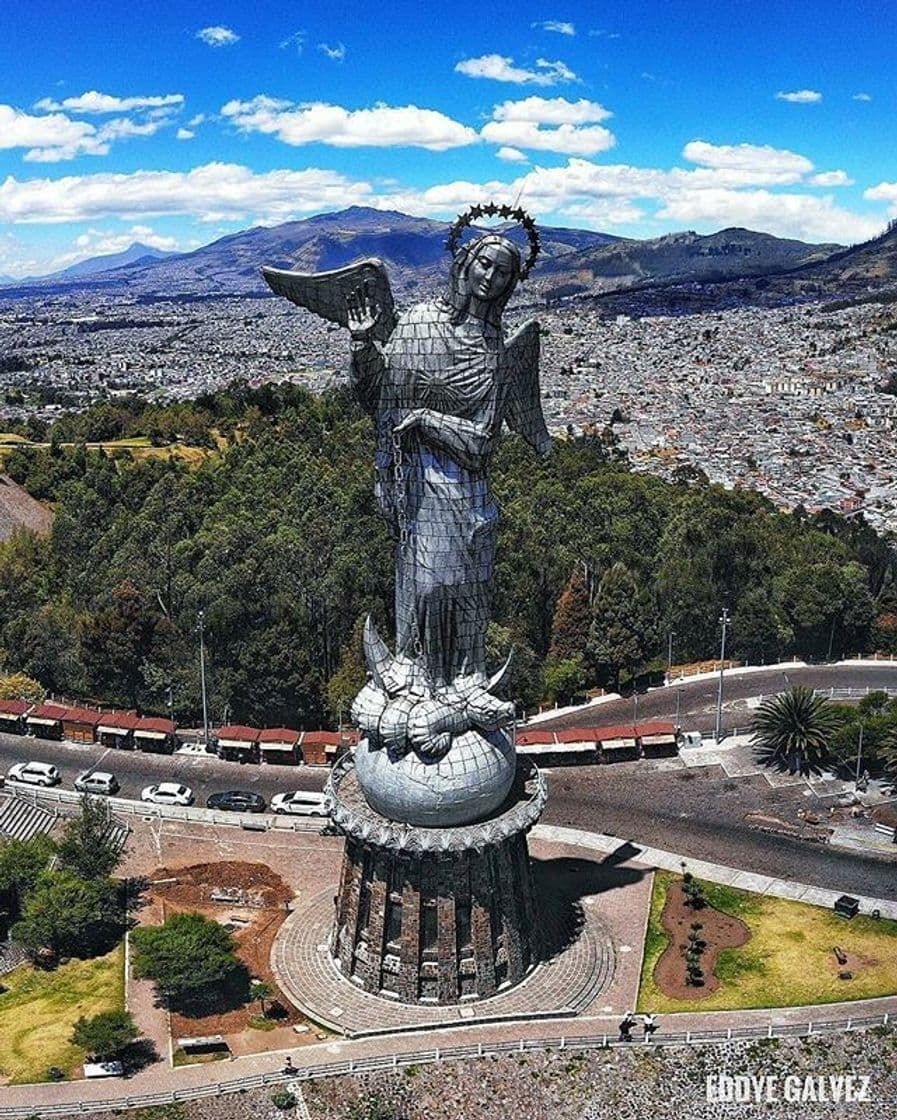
(261, 991)
(794, 729)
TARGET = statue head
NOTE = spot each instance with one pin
(486, 269)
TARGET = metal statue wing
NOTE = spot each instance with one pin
(523, 406)
(325, 293)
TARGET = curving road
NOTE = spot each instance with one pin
(698, 699)
(699, 813)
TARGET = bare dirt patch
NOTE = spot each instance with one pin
(18, 510)
(720, 931)
(254, 914)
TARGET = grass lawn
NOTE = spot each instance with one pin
(181, 1058)
(39, 1010)
(192, 456)
(11, 437)
(788, 960)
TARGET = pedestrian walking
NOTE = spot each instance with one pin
(626, 1025)
(288, 1065)
(649, 1023)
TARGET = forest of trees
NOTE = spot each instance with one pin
(276, 538)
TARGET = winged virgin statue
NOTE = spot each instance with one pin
(440, 381)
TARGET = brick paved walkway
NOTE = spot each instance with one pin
(581, 966)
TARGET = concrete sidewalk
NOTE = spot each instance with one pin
(714, 872)
(397, 1050)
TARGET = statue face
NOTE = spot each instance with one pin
(490, 271)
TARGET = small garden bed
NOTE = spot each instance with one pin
(698, 935)
(254, 917)
(795, 954)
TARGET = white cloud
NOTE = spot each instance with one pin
(217, 36)
(48, 138)
(803, 216)
(95, 102)
(197, 120)
(884, 192)
(184, 134)
(383, 126)
(862, 97)
(212, 192)
(296, 40)
(502, 69)
(337, 53)
(800, 96)
(746, 157)
(518, 124)
(123, 127)
(566, 138)
(100, 243)
(559, 26)
(551, 110)
(608, 195)
(511, 155)
(831, 179)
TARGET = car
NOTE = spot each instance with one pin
(168, 793)
(97, 781)
(34, 774)
(300, 802)
(237, 801)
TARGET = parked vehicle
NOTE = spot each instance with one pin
(168, 793)
(237, 801)
(301, 802)
(34, 774)
(97, 781)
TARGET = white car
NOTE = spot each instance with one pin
(97, 781)
(301, 802)
(168, 793)
(34, 774)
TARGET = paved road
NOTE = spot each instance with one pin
(698, 700)
(134, 769)
(701, 814)
(698, 812)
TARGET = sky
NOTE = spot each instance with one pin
(176, 123)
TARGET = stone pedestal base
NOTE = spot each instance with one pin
(436, 915)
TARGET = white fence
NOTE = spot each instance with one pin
(435, 1055)
(65, 798)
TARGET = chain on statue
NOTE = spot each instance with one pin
(405, 550)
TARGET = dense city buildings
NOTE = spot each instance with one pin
(785, 400)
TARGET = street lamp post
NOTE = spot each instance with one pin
(670, 652)
(724, 622)
(678, 706)
(202, 679)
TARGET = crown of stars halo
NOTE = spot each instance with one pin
(493, 210)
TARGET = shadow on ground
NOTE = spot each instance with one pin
(215, 999)
(138, 1056)
(561, 885)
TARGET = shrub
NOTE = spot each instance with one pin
(283, 1099)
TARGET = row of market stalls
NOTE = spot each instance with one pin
(618, 743)
(129, 731)
(123, 730)
(284, 745)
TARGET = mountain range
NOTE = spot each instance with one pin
(573, 262)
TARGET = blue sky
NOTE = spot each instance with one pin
(176, 123)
